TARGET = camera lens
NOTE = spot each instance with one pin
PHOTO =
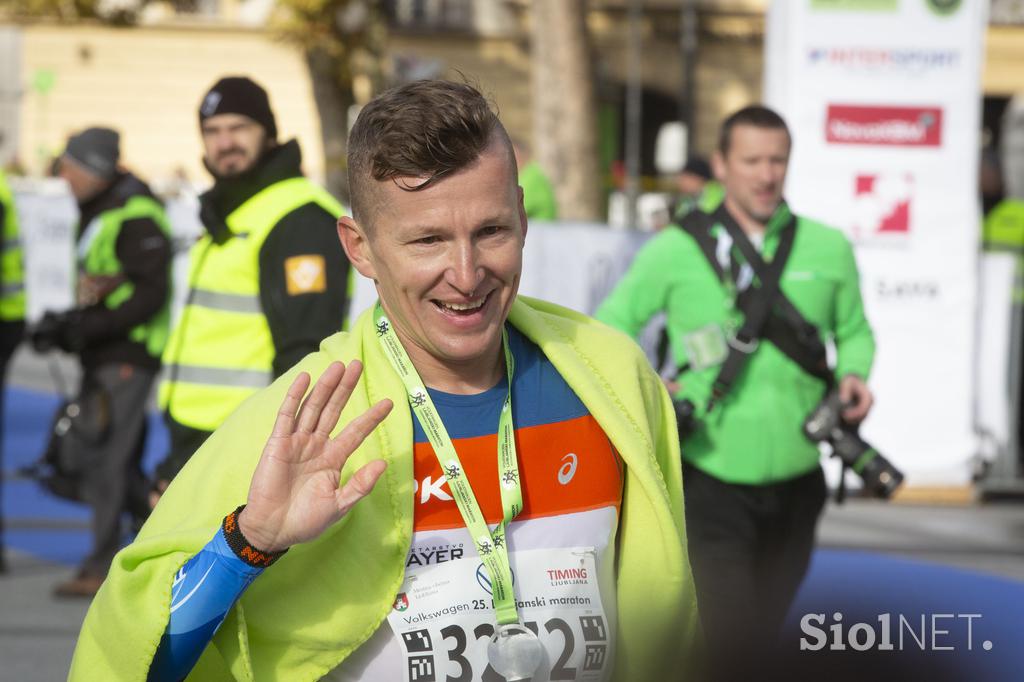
(881, 478)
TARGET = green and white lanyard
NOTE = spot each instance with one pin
(490, 545)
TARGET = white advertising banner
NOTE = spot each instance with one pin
(883, 99)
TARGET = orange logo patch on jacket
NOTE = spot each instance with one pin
(305, 274)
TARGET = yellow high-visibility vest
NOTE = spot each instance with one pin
(221, 350)
(1003, 230)
(12, 275)
(97, 251)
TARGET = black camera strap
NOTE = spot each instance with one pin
(787, 329)
(767, 313)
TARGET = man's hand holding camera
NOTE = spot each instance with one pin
(58, 330)
(856, 398)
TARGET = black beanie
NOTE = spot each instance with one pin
(239, 95)
(97, 150)
(698, 166)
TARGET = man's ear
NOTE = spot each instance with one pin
(523, 222)
(357, 247)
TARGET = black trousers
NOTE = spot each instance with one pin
(750, 547)
(112, 480)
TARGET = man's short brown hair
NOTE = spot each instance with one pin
(423, 130)
(755, 115)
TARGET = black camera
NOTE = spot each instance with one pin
(686, 417)
(57, 330)
(825, 424)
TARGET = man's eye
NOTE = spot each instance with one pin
(432, 239)
(491, 229)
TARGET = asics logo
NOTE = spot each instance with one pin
(568, 469)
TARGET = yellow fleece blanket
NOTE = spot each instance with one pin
(323, 599)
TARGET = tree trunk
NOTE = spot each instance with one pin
(564, 117)
(332, 104)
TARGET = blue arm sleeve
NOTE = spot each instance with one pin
(203, 592)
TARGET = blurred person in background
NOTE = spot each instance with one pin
(990, 180)
(12, 306)
(118, 330)
(538, 194)
(1003, 231)
(753, 484)
(268, 280)
(695, 189)
(454, 379)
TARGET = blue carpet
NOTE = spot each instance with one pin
(36, 521)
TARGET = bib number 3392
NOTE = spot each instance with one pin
(443, 618)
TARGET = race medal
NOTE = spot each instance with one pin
(514, 652)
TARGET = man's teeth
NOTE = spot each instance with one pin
(463, 307)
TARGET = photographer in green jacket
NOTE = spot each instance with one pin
(754, 487)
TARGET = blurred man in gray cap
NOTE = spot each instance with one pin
(118, 329)
(268, 280)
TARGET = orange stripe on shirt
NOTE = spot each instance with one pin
(565, 467)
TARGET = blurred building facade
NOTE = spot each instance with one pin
(147, 79)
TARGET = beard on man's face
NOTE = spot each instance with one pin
(236, 160)
(232, 162)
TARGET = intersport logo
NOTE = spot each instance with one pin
(890, 126)
(873, 59)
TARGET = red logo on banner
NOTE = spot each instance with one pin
(882, 206)
(900, 126)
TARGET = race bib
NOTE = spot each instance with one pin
(443, 617)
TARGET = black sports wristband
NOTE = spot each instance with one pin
(257, 558)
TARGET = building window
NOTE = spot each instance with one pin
(438, 15)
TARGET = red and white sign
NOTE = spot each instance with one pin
(899, 126)
(882, 206)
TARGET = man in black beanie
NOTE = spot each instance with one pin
(118, 329)
(267, 281)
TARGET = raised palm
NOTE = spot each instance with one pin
(294, 495)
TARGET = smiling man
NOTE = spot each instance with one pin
(754, 488)
(502, 495)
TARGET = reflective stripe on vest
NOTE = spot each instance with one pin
(97, 252)
(229, 378)
(230, 303)
(221, 350)
(12, 276)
